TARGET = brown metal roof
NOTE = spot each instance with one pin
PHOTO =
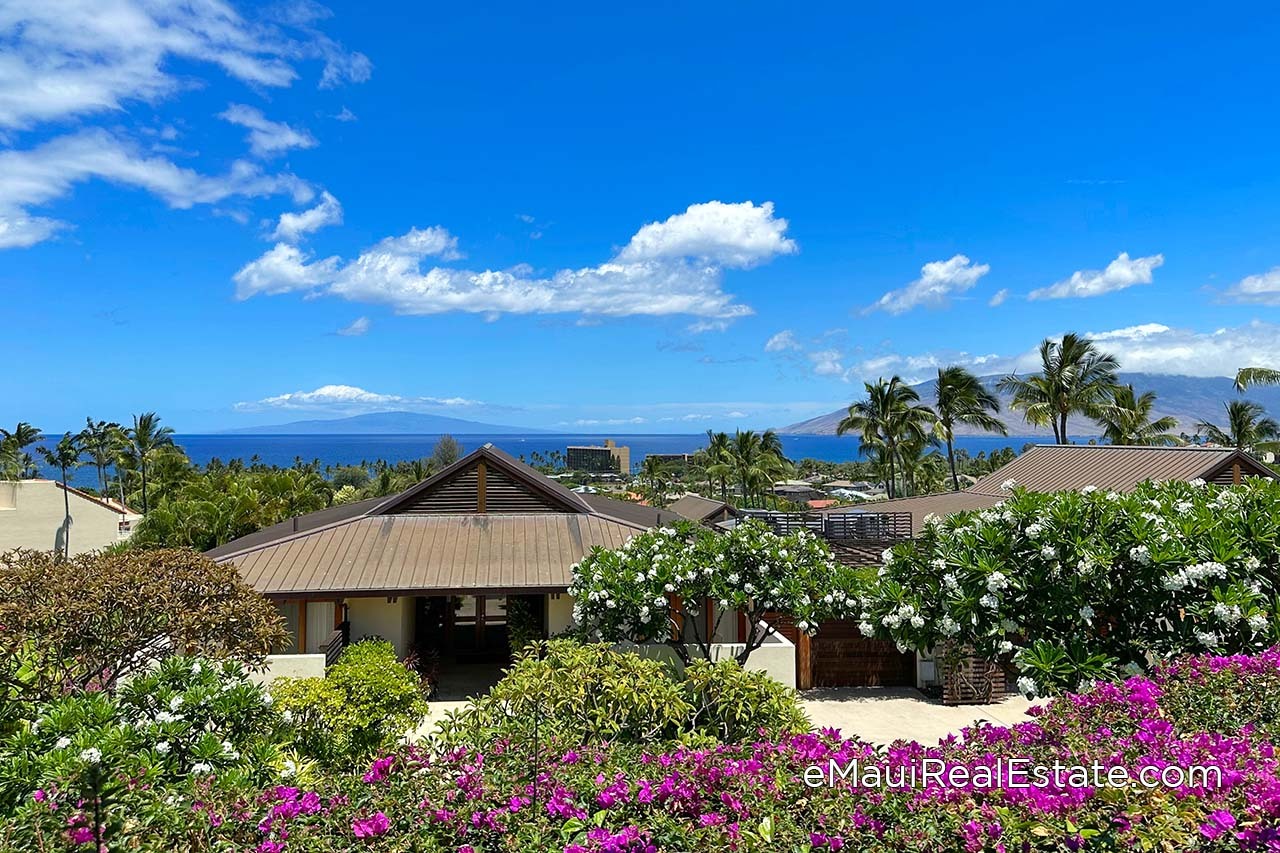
(630, 511)
(698, 508)
(395, 554)
(1053, 468)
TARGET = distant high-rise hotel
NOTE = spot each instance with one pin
(596, 459)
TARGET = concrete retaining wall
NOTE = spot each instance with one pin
(777, 657)
(289, 666)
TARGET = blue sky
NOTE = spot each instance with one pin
(663, 219)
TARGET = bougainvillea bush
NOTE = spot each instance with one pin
(753, 796)
(1076, 586)
(656, 583)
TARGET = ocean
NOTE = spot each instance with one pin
(352, 449)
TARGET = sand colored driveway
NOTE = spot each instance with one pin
(883, 715)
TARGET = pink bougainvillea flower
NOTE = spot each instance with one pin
(372, 826)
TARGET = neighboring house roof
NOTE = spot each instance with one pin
(486, 523)
(114, 506)
(698, 508)
(1052, 468)
(632, 512)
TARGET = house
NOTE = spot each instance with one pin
(609, 458)
(34, 514)
(703, 510)
(435, 567)
(1061, 467)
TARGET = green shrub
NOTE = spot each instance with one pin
(580, 694)
(735, 705)
(186, 720)
(365, 703)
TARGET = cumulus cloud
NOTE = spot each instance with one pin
(293, 226)
(1123, 272)
(731, 235)
(1260, 289)
(77, 57)
(36, 176)
(266, 138)
(359, 326)
(997, 299)
(648, 277)
(351, 399)
(782, 341)
(826, 362)
(938, 282)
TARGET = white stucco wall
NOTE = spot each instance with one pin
(777, 657)
(393, 621)
(289, 666)
(32, 516)
(559, 613)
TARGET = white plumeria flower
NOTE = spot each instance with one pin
(1087, 613)
(163, 747)
(62, 743)
(1027, 686)
(201, 767)
(1005, 647)
(1009, 484)
(92, 755)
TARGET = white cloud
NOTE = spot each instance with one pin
(1263, 288)
(350, 398)
(997, 299)
(609, 421)
(781, 342)
(938, 282)
(293, 226)
(77, 57)
(359, 326)
(731, 235)
(283, 269)
(1121, 273)
(36, 176)
(266, 138)
(646, 278)
(827, 362)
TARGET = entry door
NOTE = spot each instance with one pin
(480, 627)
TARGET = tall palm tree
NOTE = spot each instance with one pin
(657, 475)
(102, 443)
(64, 455)
(891, 414)
(1126, 419)
(1247, 427)
(14, 464)
(963, 399)
(147, 439)
(720, 460)
(1075, 378)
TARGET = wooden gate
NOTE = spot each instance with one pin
(839, 656)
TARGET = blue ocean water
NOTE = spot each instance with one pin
(354, 449)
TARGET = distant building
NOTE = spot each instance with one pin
(608, 458)
(33, 514)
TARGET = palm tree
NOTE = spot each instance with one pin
(146, 439)
(891, 414)
(963, 399)
(1126, 419)
(1075, 378)
(657, 475)
(1247, 427)
(102, 442)
(720, 460)
(63, 455)
(1249, 376)
(14, 464)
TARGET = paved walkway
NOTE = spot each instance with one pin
(885, 714)
(878, 715)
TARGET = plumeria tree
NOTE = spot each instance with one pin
(1072, 586)
(657, 586)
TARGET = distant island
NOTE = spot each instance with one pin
(1189, 399)
(384, 423)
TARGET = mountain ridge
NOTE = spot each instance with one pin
(1188, 399)
(383, 423)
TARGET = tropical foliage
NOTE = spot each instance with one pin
(89, 621)
(1074, 586)
(1247, 427)
(963, 399)
(1075, 378)
(891, 419)
(621, 797)
(678, 585)
(1126, 419)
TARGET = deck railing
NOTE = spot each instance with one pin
(841, 526)
(337, 641)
